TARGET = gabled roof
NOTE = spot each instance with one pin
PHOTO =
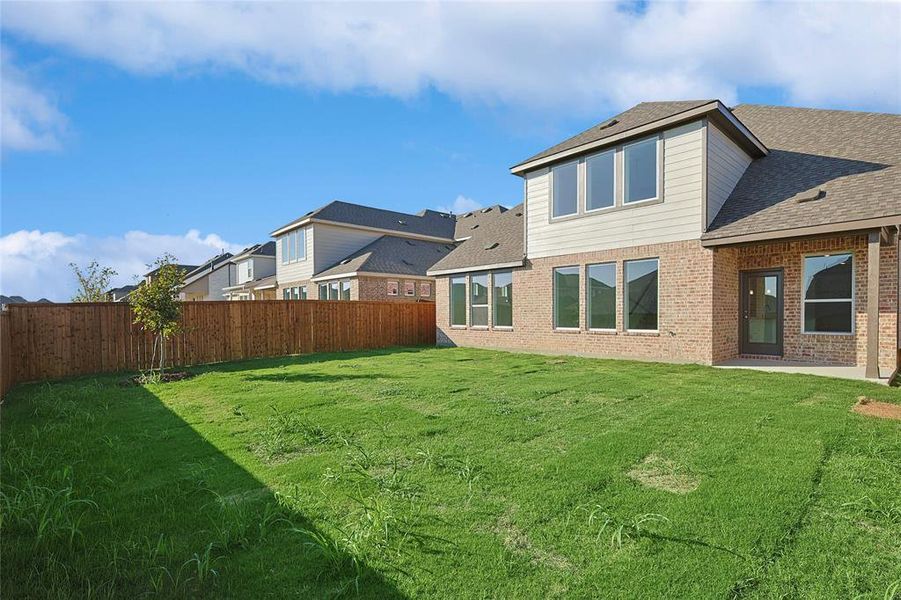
(218, 261)
(467, 223)
(265, 249)
(428, 223)
(643, 119)
(390, 255)
(182, 268)
(825, 169)
(499, 243)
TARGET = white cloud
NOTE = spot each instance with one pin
(35, 264)
(460, 205)
(582, 57)
(29, 119)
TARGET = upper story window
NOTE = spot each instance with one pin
(829, 294)
(249, 268)
(640, 171)
(565, 198)
(294, 246)
(600, 180)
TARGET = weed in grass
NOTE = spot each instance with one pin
(620, 530)
(200, 566)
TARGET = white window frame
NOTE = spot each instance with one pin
(425, 289)
(388, 290)
(551, 176)
(626, 294)
(852, 299)
(554, 297)
(450, 304)
(345, 284)
(657, 159)
(250, 269)
(615, 296)
(303, 292)
(493, 305)
(590, 211)
(286, 293)
(411, 286)
(487, 304)
(294, 246)
(284, 245)
(322, 286)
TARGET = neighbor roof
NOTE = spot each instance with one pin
(467, 223)
(824, 168)
(207, 267)
(428, 223)
(265, 249)
(390, 255)
(183, 268)
(498, 243)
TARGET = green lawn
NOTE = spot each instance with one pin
(451, 473)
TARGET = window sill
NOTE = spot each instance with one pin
(603, 332)
(642, 332)
(830, 333)
(567, 330)
(458, 327)
(479, 327)
(501, 328)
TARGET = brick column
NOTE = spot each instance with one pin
(873, 305)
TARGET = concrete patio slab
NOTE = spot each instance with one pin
(788, 366)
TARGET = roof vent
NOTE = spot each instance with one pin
(409, 243)
(491, 246)
(519, 214)
(401, 222)
(345, 261)
(406, 262)
(609, 123)
(469, 214)
(475, 226)
(817, 194)
(485, 210)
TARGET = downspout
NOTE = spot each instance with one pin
(893, 378)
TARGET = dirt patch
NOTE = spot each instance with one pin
(166, 377)
(663, 474)
(516, 541)
(874, 408)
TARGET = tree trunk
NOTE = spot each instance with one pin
(162, 352)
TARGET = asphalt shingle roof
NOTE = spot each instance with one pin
(637, 116)
(393, 255)
(467, 223)
(428, 222)
(499, 241)
(848, 160)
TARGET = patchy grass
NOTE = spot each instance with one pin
(451, 473)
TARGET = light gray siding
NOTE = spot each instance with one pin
(332, 244)
(263, 266)
(726, 163)
(221, 278)
(296, 271)
(677, 217)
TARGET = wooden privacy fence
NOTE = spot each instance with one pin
(48, 341)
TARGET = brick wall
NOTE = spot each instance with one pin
(376, 288)
(684, 321)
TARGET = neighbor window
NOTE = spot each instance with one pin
(294, 247)
(478, 285)
(503, 299)
(640, 170)
(458, 300)
(296, 293)
(323, 291)
(286, 294)
(333, 290)
(409, 288)
(599, 185)
(641, 294)
(602, 296)
(392, 288)
(828, 294)
(566, 297)
(345, 290)
(250, 269)
(425, 290)
(303, 292)
(566, 189)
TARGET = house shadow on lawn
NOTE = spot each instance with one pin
(149, 507)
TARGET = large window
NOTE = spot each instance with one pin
(640, 170)
(333, 291)
(345, 290)
(323, 291)
(478, 300)
(503, 299)
(294, 246)
(828, 294)
(566, 297)
(286, 294)
(641, 294)
(602, 296)
(600, 186)
(458, 300)
(566, 189)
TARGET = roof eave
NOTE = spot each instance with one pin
(723, 117)
(486, 267)
(796, 232)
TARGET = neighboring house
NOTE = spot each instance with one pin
(4, 300)
(255, 274)
(345, 251)
(148, 277)
(209, 280)
(686, 231)
(120, 294)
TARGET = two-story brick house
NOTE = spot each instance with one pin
(688, 231)
(345, 251)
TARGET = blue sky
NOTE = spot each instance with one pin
(130, 130)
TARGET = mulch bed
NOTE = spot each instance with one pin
(874, 408)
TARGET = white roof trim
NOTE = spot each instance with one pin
(507, 265)
(366, 274)
(393, 232)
